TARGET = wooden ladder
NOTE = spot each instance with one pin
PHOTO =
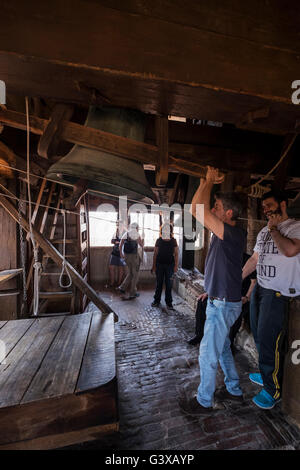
(83, 243)
(50, 222)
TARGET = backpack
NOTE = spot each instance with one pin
(130, 246)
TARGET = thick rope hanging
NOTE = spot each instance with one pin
(22, 252)
(64, 266)
(37, 265)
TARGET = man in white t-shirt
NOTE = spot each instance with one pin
(276, 259)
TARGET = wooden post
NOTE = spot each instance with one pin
(162, 141)
(49, 141)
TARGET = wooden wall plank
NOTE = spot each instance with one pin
(46, 420)
(99, 361)
(8, 260)
(55, 441)
(24, 360)
(58, 373)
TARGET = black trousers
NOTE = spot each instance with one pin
(201, 317)
(269, 325)
(164, 273)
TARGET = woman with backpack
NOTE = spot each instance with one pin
(116, 263)
(129, 244)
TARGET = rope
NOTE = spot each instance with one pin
(64, 266)
(23, 261)
(37, 265)
(256, 190)
(91, 191)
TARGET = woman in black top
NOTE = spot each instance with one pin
(116, 263)
(165, 263)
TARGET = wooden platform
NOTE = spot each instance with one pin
(57, 380)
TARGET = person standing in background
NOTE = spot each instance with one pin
(116, 263)
(165, 264)
(129, 242)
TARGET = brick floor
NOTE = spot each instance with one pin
(153, 362)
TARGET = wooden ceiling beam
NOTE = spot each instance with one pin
(226, 68)
(205, 58)
(26, 75)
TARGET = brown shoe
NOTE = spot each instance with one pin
(223, 395)
(192, 406)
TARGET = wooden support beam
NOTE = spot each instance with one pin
(50, 250)
(162, 141)
(228, 149)
(7, 159)
(38, 201)
(49, 141)
(86, 136)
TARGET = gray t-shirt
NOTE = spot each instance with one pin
(274, 270)
(223, 266)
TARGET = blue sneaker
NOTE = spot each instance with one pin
(264, 400)
(256, 379)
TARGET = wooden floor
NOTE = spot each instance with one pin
(57, 380)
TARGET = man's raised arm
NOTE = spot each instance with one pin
(202, 196)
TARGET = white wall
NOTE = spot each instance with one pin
(99, 259)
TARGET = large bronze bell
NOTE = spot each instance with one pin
(107, 173)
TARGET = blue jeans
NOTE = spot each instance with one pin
(215, 348)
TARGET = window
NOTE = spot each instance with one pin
(102, 227)
(149, 224)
